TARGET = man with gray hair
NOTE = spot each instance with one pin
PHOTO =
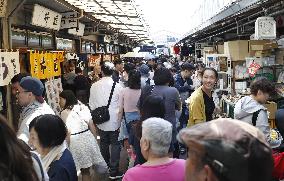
(155, 143)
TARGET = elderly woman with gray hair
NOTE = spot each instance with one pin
(155, 143)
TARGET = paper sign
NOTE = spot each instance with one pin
(9, 66)
(46, 18)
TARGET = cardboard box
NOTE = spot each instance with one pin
(271, 109)
(257, 45)
(263, 53)
(237, 50)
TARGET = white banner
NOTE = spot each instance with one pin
(9, 66)
(69, 20)
(46, 18)
(3, 7)
(77, 31)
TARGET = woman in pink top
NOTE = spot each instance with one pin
(129, 97)
(155, 144)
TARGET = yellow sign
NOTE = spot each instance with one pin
(46, 65)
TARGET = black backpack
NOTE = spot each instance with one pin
(254, 117)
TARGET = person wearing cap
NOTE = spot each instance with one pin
(16, 108)
(251, 108)
(29, 96)
(144, 71)
(226, 149)
(155, 143)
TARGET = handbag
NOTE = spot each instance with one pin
(101, 114)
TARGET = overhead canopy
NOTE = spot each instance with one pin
(120, 14)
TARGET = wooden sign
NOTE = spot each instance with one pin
(46, 18)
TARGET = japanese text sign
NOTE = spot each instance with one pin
(45, 65)
(46, 18)
(69, 20)
(9, 66)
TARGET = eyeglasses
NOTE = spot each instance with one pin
(18, 92)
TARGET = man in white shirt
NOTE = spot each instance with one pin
(108, 131)
(29, 96)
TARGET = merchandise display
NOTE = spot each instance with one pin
(53, 88)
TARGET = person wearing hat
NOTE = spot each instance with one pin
(29, 96)
(226, 149)
(145, 73)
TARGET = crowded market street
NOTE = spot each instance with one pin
(140, 90)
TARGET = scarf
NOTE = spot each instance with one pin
(54, 154)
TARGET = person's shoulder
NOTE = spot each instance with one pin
(134, 171)
(172, 90)
(180, 162)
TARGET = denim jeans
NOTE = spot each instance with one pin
(129, 117)
(109, 139)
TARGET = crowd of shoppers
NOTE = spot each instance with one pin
(151, 112)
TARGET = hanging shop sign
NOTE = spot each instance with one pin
(94, 60)
(100, 48)
(265, 28)
(69, 20)
(3, 7)
(109, 48)
(9, 66)
(46, 18)
(53, 88)
(78, 31)
(45, 65)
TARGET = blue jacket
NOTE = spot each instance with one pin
(63, 169)
(180, 84)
